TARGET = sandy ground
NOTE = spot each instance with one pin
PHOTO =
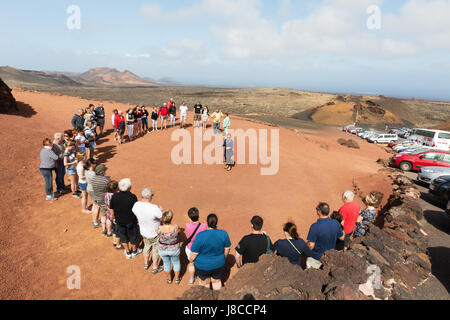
(35, 250)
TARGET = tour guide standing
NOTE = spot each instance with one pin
(229, 152)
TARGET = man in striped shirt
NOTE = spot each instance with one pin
(100, 187)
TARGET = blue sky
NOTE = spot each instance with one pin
(304, 44)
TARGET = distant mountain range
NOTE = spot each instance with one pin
(96, 77)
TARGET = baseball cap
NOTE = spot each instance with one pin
(100, 168)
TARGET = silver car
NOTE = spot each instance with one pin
(428, 174)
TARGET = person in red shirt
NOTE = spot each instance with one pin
(350, 212)
(163, 113)
(119, 124)
(171, 103)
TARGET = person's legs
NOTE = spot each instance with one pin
(95, 213)
(109, 228)
(116, 237)
(130, 132)
(103, 221)
(216, 284)
(59, 179)
(133, 233)
(347, 241)
(146, 252)
(191, 267)
(165, 256)
(92, 146)
(145, 125)
(122, 230)
(73, 183)
(176, 264)
(48, 179)
(206, 283)
(84, 202)
(155, 253)
(216, 278)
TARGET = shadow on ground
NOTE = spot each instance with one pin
(24, 110)
(440, 265)
(105, 153)
(439, 220)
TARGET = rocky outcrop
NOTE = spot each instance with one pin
(389, 263)
(7, 101)
(348, 143)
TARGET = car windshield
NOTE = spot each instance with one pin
(418, 151)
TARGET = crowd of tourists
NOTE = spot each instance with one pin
(138, 226)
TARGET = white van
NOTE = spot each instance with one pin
(383, 138)
(431, 138)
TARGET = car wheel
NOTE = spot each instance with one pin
(405, 166)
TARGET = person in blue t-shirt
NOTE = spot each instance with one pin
(322, 236)
(209, 252)
(293, 247)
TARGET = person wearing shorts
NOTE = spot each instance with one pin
(82, 182)
(209, 252)
(198, 108)
(121, 212)
(100, 187)
(70, 162)
(90, 174)
(80, 140)
(163, 113)
(149, 216)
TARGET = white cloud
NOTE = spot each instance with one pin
(334, 27)
(185, 47)
(426, 22)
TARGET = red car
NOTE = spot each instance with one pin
(348, 128)
(393, 144)
(415, 161)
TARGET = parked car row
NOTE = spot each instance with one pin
(440, 189)
(371, 136)
(401, 132)
(432, 165)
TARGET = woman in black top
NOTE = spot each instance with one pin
(292, 247)
(144, 119)
(155, 119)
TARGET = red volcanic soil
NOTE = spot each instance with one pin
(39, 240)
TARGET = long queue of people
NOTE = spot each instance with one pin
(136, 120)
(141, 227)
